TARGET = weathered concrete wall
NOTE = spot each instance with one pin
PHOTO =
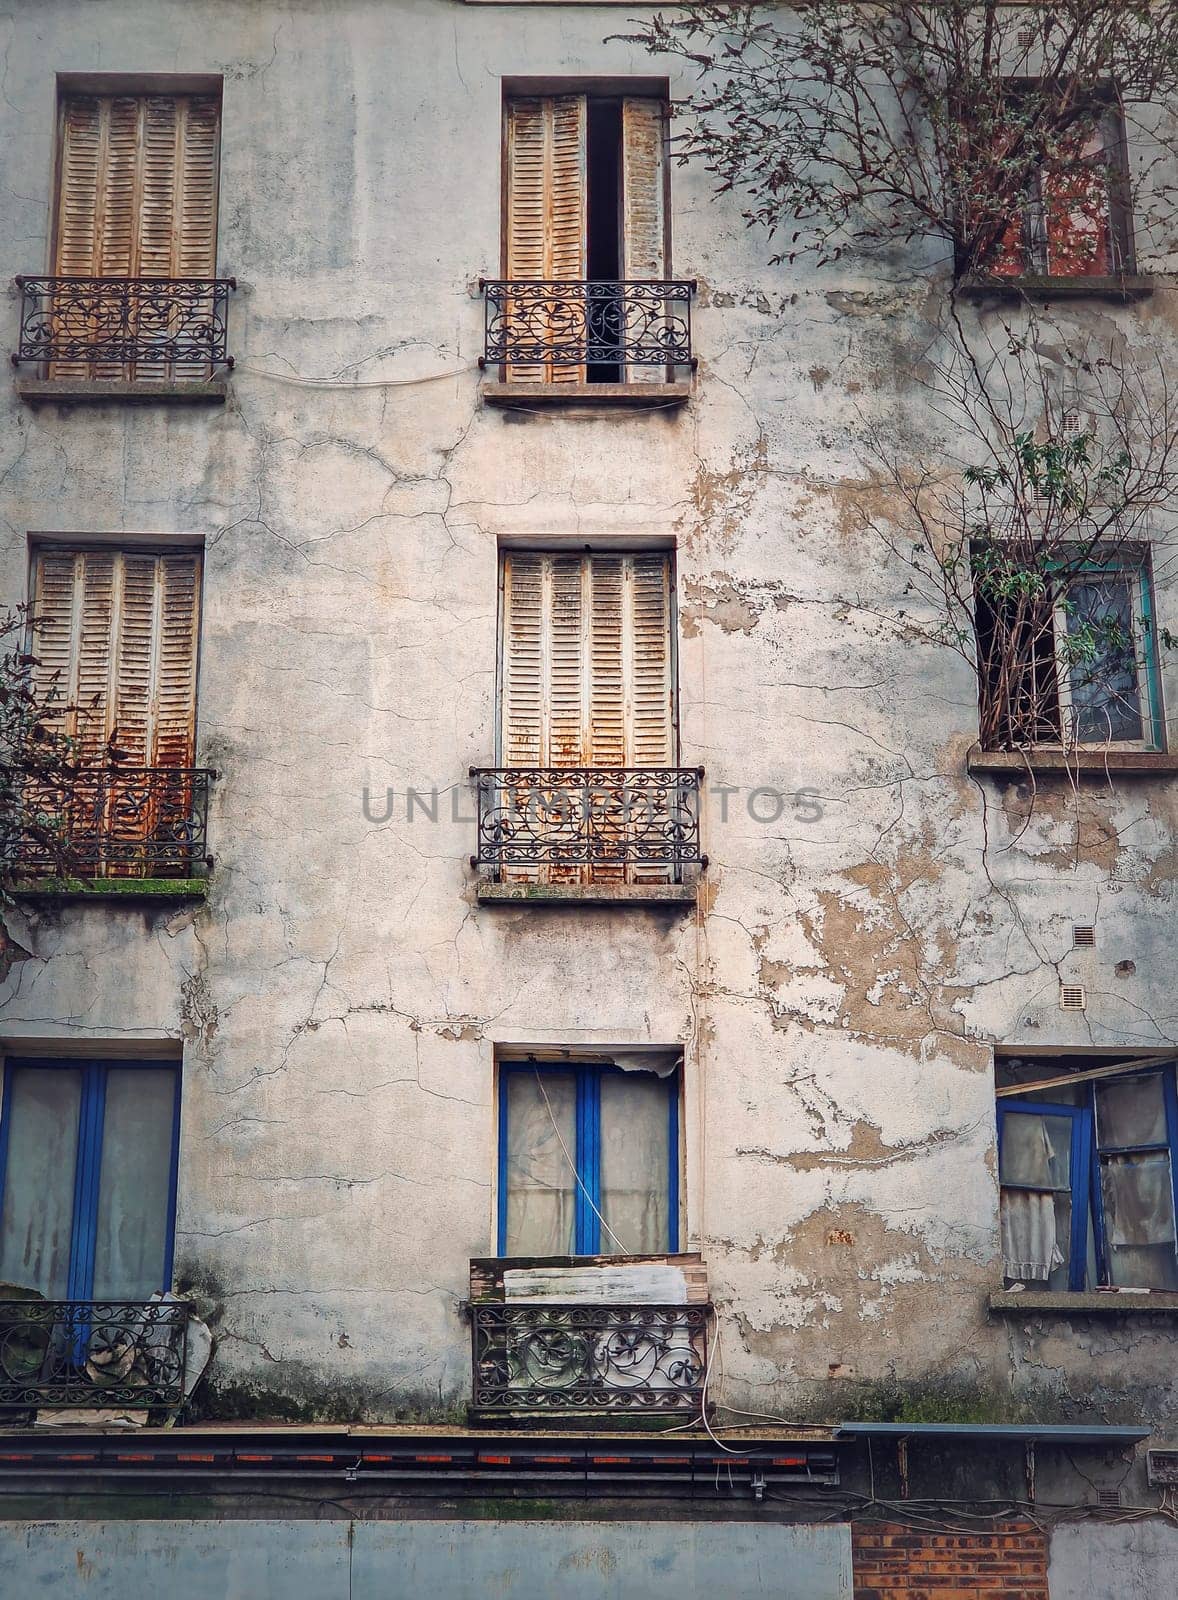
(452, 1560)
(1097, 1561)
(341, 995)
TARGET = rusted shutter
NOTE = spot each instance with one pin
(137, 197)
(546, 220)
(644, 218)
(587, 676)
(119, 631)
(1076, 210)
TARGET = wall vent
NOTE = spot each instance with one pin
(1072, 997)
(1162, 1468)
(1025, 38)
(1108, 1497)
(1083, 936)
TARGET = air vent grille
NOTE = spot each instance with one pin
(1083, 936)
(1072, 997)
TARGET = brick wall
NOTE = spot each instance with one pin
(897, 1563)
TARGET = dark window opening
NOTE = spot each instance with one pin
(604, 219)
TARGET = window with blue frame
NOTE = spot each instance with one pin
(1087, 1183)
(588, 1160)
(88, 1156)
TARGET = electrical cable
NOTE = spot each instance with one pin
(302, 381)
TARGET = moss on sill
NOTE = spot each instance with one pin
(111, 888)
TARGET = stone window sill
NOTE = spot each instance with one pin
(1123, 288)
(1070, 763)
(111, 889)
(491, 892)
(1102, 1302)
(210, 391)
(529, 395)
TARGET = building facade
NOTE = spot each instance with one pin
(535, 838)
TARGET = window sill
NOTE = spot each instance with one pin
(111, 889)
(1098, 763)
(1155, 1302)
(529, 395)
(211, 391)
(491, 892)
(1125, 288)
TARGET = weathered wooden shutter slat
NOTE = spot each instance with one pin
(56, 594)
(80, 138)
(567, 656)
(119, 197)
(196, 232)
(523, 669)
(651, 725)
(94, 647)
(606, 689)
(135, 682)
(546, 209)
(644, 218)
(176, 647)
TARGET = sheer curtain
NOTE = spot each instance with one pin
(541, 1187)
(36, 1222)
(133, 1189)
(635, 1163)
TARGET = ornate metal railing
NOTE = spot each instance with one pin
(112, 822)
(588, 1358)
(583, 322)
(92, 1353)
(125, 327)
(604, 819)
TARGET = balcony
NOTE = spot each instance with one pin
(115, 830)
(585, 340)
(120, 338)
(92, 1354)
(588, 833)
(589, 1337)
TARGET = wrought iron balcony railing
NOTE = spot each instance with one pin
(605, 821)
(138, 328)
(588, 1358)
(564, 327)
(112, 822)
(92, 1353)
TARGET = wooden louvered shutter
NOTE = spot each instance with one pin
(137, 198)
(175, 695)
(547, 217)
(587, 678)
(644, 213)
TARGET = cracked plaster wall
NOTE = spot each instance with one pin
(340, 996)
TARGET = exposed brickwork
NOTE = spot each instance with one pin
(897, 1563)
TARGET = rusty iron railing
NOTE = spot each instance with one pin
(601, 819)
(583, 322)
(588, 1359)
(111, 822)
(92, 1353)
(143, 328)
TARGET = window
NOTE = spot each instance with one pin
(1086, 1169)
(88, 1177)
(116, 632)
(1077, 665)
(1075, 224)
(585, 187)
(588, 1161)
(136, 199)
(115, 641)
(587, 684)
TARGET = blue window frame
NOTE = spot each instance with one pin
(588, 1160)
(88, 1166)
(1090, 1179)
